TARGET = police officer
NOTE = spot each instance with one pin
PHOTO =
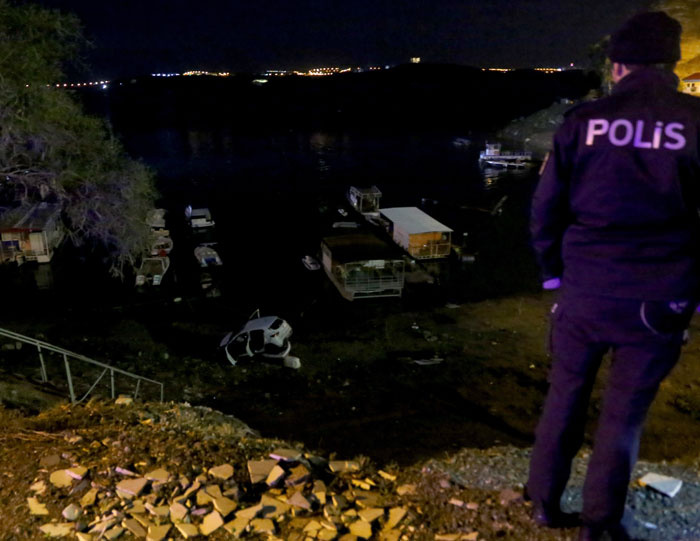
(615, 224)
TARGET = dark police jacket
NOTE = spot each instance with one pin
(615, 212)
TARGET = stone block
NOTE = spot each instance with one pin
(214, 491)
(668, 486)
(237, 526)
(221, 472)
(177, 511)
(396, 515)
(187, 530)
(136, 529)
(326, 535)
(113, 533)
(39, 487)
(61, 479)
(130, 488)
(202, 497)
(77, 472)
(342, 466)
(157, 533)
(260, 469)
(53, 529)
(262, 526)
(211, 523)
(297, 475)
(161, 475)
(286, 454)
(386, 475)
(361, 529)
(249, 512)
(298, 500)
(50, 461)
(88, 498)
(71, 512)
(36, 507)
(275, 476)
(272, 507)
(225, 506)
(371, 514)
(406, 490)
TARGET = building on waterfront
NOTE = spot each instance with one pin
(361, 265)
(30, 233)
(691, 84)
(365, 200)
(421, 235)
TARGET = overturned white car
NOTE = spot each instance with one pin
(266, 337)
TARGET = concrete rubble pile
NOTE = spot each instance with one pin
(296, 495)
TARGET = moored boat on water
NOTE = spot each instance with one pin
(493, 156)
(152, 270)
(207, 256)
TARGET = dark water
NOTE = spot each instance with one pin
(274, 196)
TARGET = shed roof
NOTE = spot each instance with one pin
(694, 77)
(413, 220)
(29, 217)
(360, 246)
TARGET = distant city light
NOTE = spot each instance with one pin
(415, 60)
(103, 84)
(214, 74)
(546, 70)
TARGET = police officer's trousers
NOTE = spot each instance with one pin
(645, 341)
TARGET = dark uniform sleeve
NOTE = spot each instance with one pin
(550, 215)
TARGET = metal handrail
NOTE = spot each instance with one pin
(45, 346)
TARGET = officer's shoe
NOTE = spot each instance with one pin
(611, 533)
(550, 518)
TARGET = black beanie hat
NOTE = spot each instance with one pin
(647, 38)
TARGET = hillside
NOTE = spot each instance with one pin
(108, 470)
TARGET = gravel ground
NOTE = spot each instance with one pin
(654, 515)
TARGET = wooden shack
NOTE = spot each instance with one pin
(421, 235)
(361, 265)
(30, 233)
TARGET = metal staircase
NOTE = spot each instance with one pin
(69, 356)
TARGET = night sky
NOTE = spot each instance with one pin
(143, 36)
